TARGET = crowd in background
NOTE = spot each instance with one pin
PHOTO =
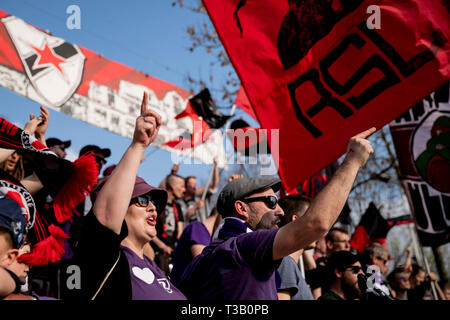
(135, 241)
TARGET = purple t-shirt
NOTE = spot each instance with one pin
(239, 268)
(194, 233)
(148, 281)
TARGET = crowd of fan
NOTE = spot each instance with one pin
(134, 241)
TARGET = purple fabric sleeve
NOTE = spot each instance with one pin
(198, 234)
(257, 249)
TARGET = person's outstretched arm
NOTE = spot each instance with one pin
(114, 198)
(326, 206)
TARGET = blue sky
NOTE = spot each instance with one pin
(149, 36)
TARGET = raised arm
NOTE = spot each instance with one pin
(41, 129)
(32, 183)
(114, 198)
(325, 208)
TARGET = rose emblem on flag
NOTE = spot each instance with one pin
(431, 150)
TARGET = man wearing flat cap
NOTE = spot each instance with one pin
(240, 264)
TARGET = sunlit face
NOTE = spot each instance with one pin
(340, 242)
(402, 281)
(59, 150)
(141, 222)
(191, 186)
(320, 246)
(419, 278)
(260, 215)
(11, 162)
(178, 188)
(381, 262)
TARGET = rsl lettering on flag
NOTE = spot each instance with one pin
(334, 98)
(317, 72)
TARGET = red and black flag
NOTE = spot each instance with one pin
(244, 104)
(319, 72)
(205, 107)
(374, 228)
(371, 228)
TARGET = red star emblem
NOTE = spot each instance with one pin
(47, 55)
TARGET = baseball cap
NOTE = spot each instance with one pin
(96, 149)
(159, 195)
(50, 142)
(141, 188)
(241, 188)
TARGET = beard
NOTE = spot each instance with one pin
(268, 221)
(351, 291)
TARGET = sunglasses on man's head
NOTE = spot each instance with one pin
(270, 201)
(144, 201)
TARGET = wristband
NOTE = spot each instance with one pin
(16, 280)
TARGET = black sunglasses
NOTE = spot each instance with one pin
(143, 201)
(354, 269)
(270, 201)
(381, 259)
(100, 159)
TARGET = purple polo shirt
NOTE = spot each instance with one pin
(239, 268)
(194, 233)
(148, 281)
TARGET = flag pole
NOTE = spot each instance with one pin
(420, 255)
(415, 236)
(427, 268)
(302, 266)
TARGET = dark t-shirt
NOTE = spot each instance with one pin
(239, 268)
(200, 214)
(194, 233)
(166, 224)
(330, 296)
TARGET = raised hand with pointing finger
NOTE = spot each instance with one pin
(359, 148)
(147, 124)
